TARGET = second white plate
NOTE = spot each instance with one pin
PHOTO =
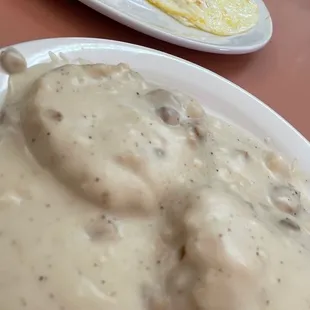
(143, 17)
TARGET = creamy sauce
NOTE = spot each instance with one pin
(115, 194)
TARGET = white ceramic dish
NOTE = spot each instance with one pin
(216, 94)
(143, 17)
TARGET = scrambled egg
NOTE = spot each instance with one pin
(220, 17)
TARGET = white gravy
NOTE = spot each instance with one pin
(117, 195)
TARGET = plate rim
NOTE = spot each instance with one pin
(142, 27)
(61, 42)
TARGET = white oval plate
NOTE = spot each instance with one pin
(219, 96)
(143, 17)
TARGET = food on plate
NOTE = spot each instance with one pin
(220, 17)
(119, 194)
(12, 61)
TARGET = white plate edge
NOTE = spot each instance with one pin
(58, 43)
(171, 38)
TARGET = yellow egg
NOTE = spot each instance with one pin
(220, 17)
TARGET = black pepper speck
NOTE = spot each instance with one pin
(42, 278)
(23, 302)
